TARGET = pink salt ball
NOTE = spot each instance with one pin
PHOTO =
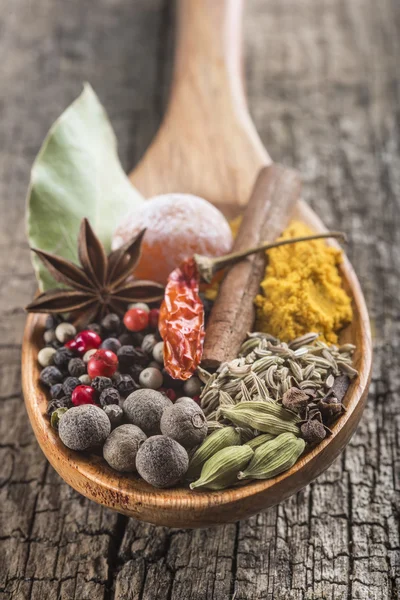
(177, 226)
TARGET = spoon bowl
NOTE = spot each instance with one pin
(207, 145)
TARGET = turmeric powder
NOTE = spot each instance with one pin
(302, 290)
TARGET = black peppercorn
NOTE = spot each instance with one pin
(125, 384)
(94, 327)
(56, 345)
(50, 376)
(56, 391)
(115, 414)
(111, 323)
(76, 367)
(101, 383)
(52, 321)
(112, 344)
(131, 338)
(170, 382)
(62, 357)
(70, 384)
(128, 356)
(134, 372)
(64, 402)
(109, 396)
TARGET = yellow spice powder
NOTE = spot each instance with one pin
(302, 290)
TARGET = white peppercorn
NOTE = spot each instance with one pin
(83, 427)
(45, 356)
(144, 409)
(158, 352)
(88, 355)
(121, 448)
(161, 461)
(49, 336)
(85, 379)
(65, 332)
(155, 365)
(185, 422)
(140, 305)
(149, 341)
(151, 378)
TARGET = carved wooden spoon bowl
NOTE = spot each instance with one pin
(206, 145)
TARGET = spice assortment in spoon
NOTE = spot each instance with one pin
(140, 366)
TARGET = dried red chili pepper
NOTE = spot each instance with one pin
(181, 322)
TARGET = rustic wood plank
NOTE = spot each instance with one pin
(323, 84)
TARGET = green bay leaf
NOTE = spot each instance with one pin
(76, 174)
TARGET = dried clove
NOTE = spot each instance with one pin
(330, 407)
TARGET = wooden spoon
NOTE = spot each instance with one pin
(206, 145)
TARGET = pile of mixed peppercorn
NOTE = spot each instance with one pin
(106, 362)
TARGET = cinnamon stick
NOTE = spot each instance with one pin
(268, 212)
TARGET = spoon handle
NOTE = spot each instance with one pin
(208, 68)
(207, 144)
(209, 49)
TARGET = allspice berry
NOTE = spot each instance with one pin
(144, 408)
(185, 422)
(161, 461)
(122, 446)
(83, 427)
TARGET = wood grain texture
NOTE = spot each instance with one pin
(324, 96)
(277, 190)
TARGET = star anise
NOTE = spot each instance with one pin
(102, 284)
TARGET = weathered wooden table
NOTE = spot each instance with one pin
(324, 90)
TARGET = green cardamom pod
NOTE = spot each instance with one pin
(274, 457)
(259, 440)
(268, 417)
(221, 470)
(270, 407)
(221, 438)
